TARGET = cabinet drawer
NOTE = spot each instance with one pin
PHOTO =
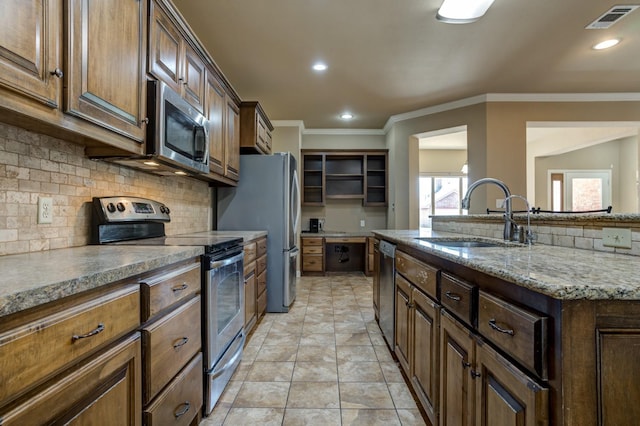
(39, 348)
(249, 268)
(181, 401)
(420, 274)
(262, 282)
(312, 264)
(312, 242)
(261, 264)
(250, 252)
(164, 290)
(519, 332)
(459, 297)
(168, 344)
(312, 250)
(346, 240)
(109, 379)
(261, 247)
(262, 303)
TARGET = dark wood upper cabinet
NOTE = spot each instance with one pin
(341, 174)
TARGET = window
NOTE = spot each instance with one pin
(441, 196)
(580, 190)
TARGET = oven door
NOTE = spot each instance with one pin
(224, 312)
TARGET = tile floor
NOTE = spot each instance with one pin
(323, 363)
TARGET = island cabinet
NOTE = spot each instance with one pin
(172, 345)
(261, 273)
(64, 77)
(417, 328)
(255, 129)
(74, 360)
(376, 278)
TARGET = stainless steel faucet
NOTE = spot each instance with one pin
(509, 224)
(522, 235)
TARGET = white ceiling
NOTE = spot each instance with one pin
(390, 57)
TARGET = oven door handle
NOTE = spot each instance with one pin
(224, 262)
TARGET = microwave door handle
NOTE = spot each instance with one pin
(200, 143)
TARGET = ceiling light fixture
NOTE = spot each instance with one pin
(346, 116)
(181, 173)
(319, 66)
(462, 11)
(606, 44)
(151, 163)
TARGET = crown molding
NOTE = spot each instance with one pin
(289, 123)
(357, 132)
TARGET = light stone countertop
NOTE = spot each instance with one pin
(245, 235)
(337, 234)
(31, 279)
(559, 272)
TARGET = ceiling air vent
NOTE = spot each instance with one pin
(611, 16)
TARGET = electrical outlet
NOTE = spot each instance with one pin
(616, 237)
(362, 223)
(45, 210)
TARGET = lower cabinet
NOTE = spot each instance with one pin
(104, 390)
(479, 386)
(312, 255)
(172, 387)
(255, 282)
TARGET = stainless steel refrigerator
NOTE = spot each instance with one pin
(268, 198)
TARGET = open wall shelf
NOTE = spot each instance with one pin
(341, 174)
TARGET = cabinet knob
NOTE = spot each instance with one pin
(474, 374)
(144, 120)
(57, 73)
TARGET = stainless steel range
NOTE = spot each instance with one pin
(139, 221)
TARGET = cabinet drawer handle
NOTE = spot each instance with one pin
(453, 296)
(182, 411)
(496, 327)
(97, 330)
(180, 342)
(474, 374)
(179, 288)
(57, 72)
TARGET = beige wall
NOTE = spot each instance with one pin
(34, 165)
(496, 142)
(445, 161)
(619, 156)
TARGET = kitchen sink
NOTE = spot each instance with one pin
(466, 242)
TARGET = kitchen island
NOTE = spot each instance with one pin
(517, 334)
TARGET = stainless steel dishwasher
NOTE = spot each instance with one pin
(387, 291)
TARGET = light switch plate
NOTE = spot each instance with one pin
(616, 237)
(362, 223)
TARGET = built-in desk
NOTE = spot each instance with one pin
(336, 252)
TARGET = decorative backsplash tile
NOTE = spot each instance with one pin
(581, 232)
(34, 165)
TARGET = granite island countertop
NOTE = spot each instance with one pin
(336, 234)
(559, 272)
(31, 279)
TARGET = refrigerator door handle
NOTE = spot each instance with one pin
(295, 205)
(294, 252)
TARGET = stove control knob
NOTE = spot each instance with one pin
(120, 207)
(166, 210)
(111, 208)
(163, 209)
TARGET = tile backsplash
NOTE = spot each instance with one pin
(33, 165)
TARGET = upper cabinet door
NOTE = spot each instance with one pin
(193, 80)
(29, 52)
(216, 109)
(107, 63)
(165, 48)
(232, 139)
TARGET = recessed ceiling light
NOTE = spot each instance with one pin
(181, 173)
(346, 116)
(151, 163)
(319, 66)
(606, 44)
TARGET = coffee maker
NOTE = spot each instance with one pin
(314, 225)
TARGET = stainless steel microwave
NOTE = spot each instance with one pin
(177, 137)
(177, 133)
